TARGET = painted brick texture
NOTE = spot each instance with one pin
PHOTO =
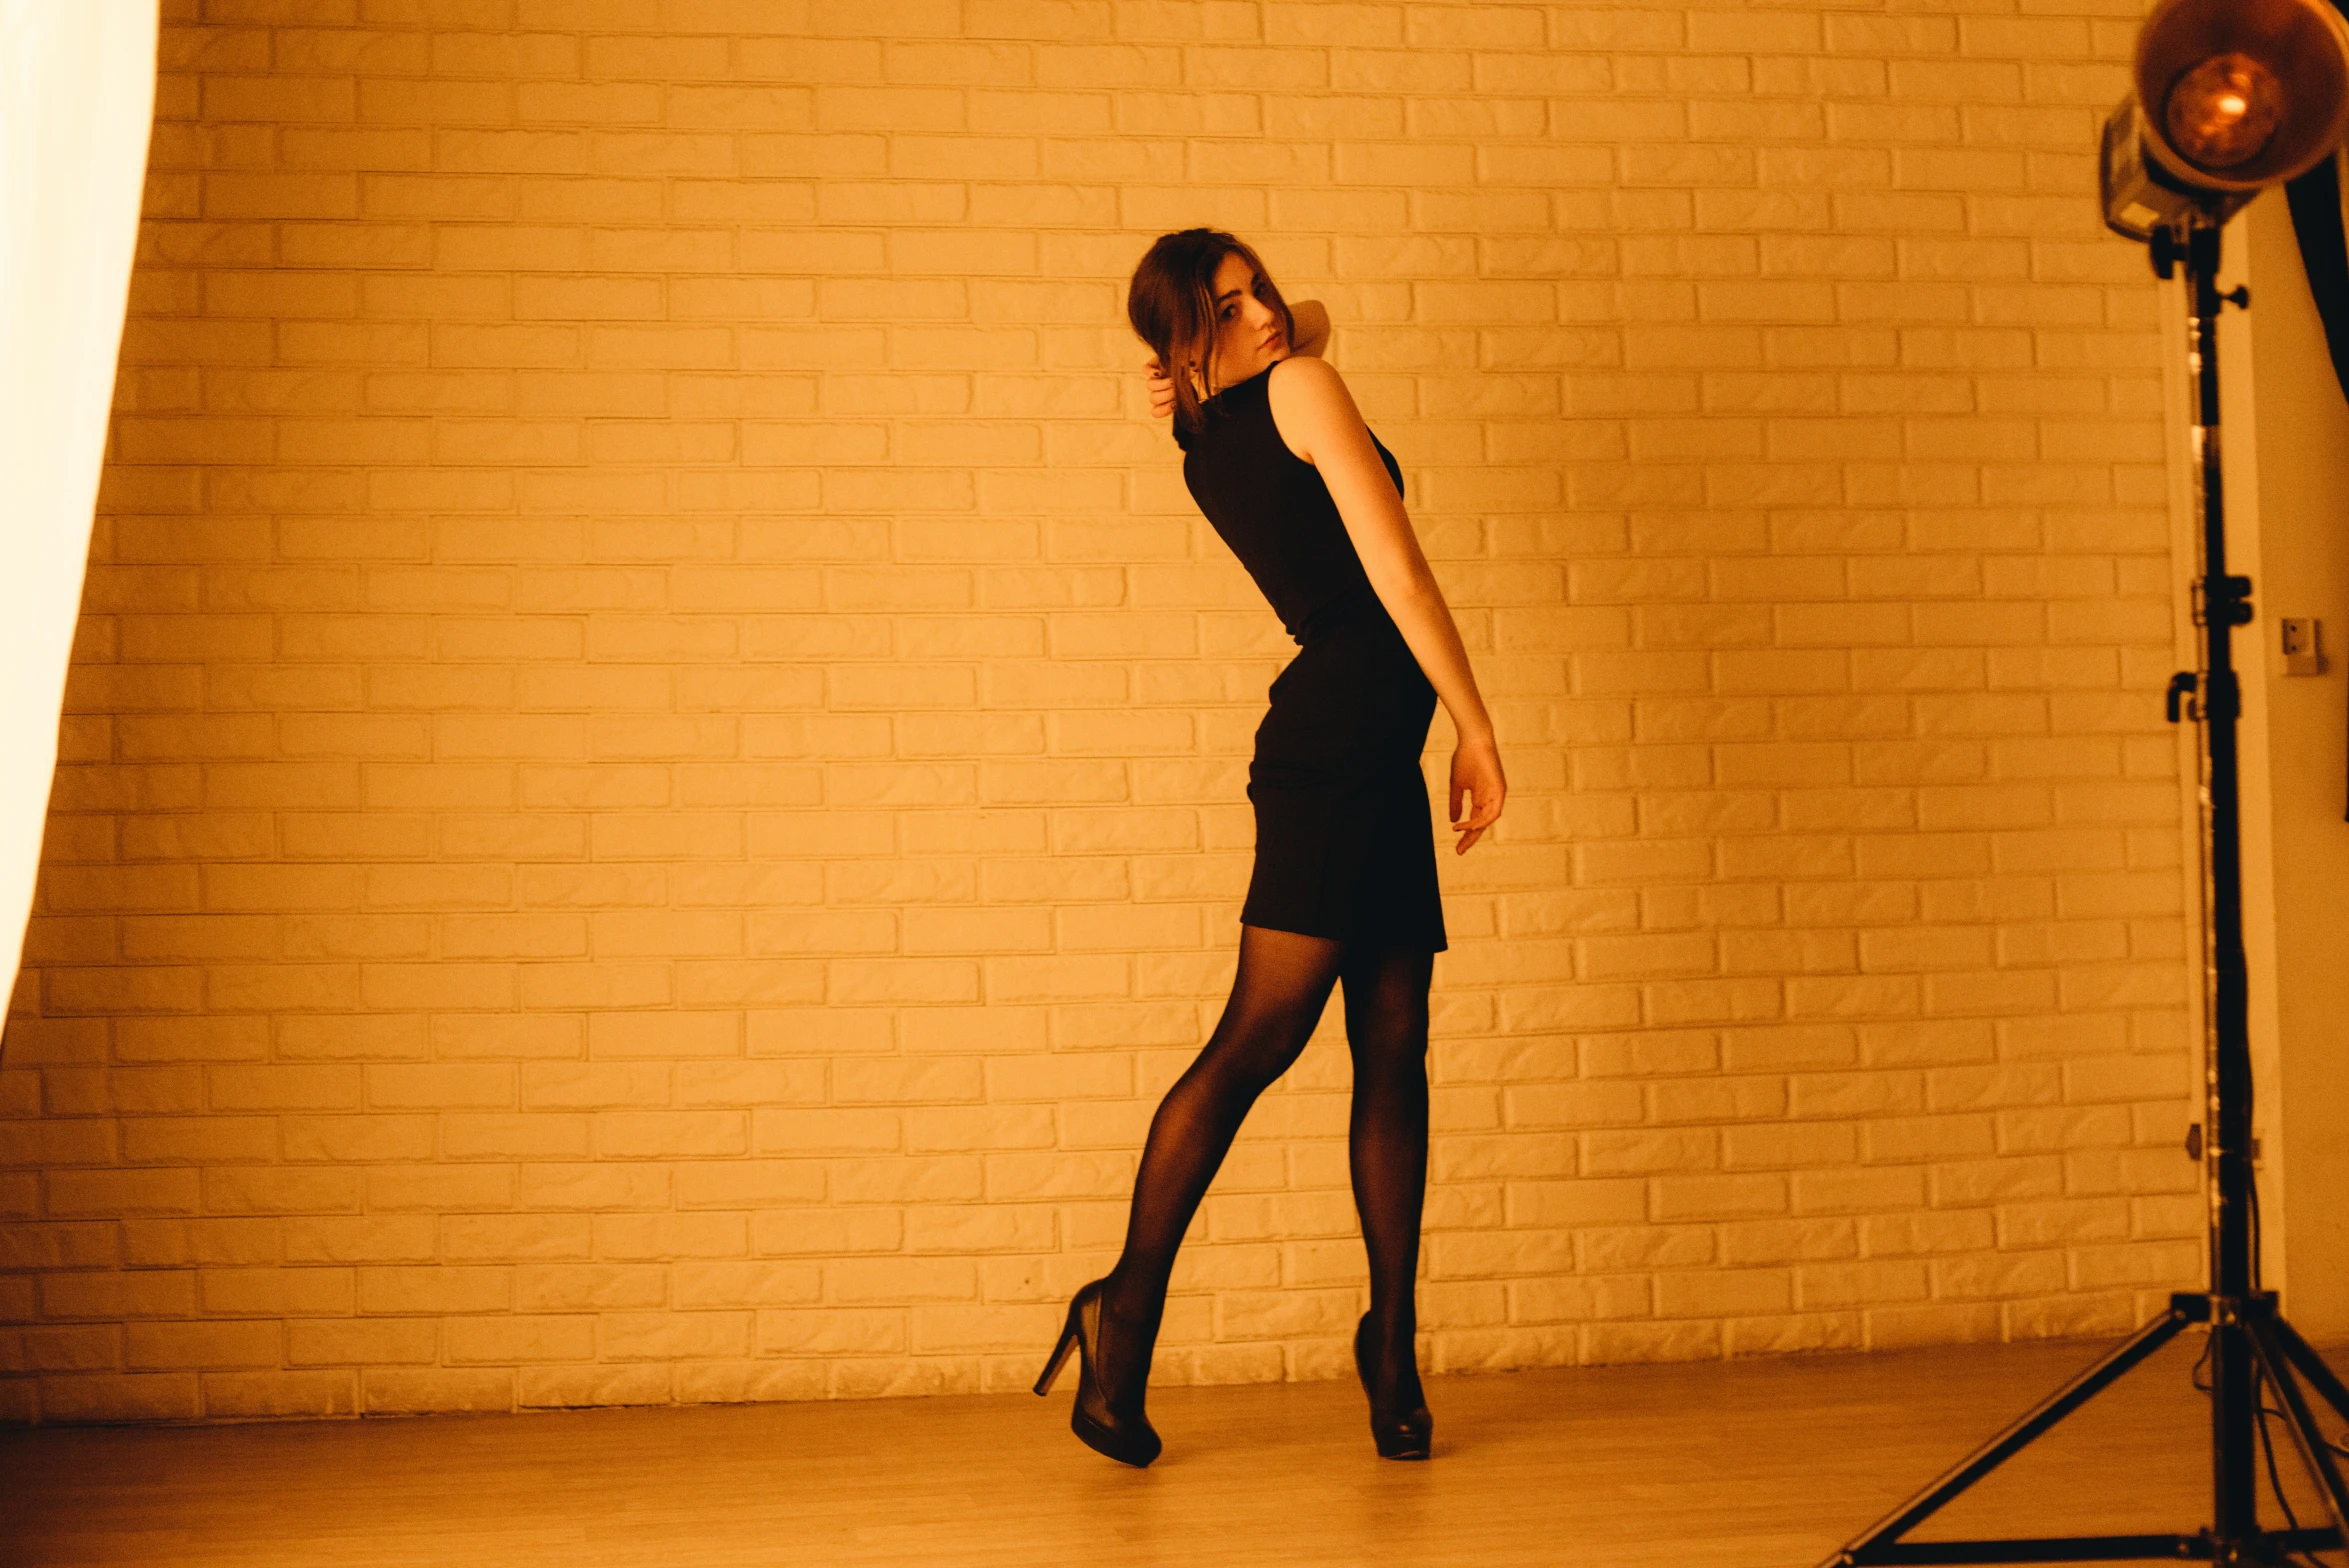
(653, 780)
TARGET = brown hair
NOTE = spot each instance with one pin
(1171, 304)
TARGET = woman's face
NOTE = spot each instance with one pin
(1248, 335)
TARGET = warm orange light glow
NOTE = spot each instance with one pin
(2224, 112)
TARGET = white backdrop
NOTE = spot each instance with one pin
(77, 96)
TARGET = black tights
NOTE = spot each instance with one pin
(1283, 984)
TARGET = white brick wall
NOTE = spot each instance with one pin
(653, 784)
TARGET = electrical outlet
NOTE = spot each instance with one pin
(2302, 654)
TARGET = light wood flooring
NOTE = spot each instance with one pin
(1745, 1465)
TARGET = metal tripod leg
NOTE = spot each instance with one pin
(2312, 1366)
(1881, 1543)
(2315, 1453)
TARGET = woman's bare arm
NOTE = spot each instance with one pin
(1316, 417)
(1312, 318)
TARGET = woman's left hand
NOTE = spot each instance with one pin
(1476, 774)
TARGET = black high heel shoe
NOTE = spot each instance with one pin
(1112, 1426)
(1399, 1434)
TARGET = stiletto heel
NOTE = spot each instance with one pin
(1399, 1434)
(1107, 1424)
(1060, 1351)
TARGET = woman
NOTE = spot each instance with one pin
(1344, 888)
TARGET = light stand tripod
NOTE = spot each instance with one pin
(2250, 1343)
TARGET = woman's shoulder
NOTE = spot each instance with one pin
(1305, 394)
(1297, 370)
(1303, 380)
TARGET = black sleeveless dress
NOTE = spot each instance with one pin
(1344, 837)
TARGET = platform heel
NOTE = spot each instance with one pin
(1110, 1425)
(1399, 1434)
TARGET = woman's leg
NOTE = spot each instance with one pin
(1277, 997)
(1386, 1030)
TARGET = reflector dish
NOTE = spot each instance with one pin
(2241, 94)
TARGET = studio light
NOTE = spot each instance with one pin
(2227, 98)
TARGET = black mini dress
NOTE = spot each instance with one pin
(1345, 843)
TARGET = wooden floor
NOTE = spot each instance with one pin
(1750, 1464)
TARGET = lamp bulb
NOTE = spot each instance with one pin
(2223, 112)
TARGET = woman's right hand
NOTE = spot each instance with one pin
(1162, 398)
(1476, 773)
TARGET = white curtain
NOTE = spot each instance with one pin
(77, 95)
